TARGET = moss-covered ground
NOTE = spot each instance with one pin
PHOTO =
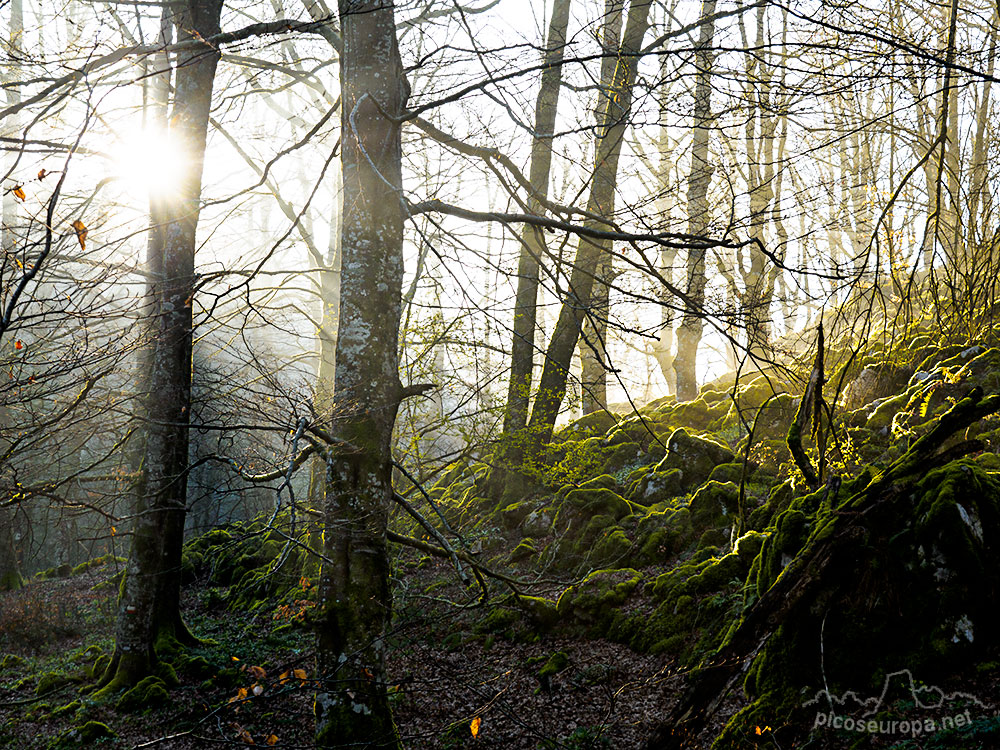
(641, 545)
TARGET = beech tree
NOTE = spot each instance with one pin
(352, 706)
(149, 605)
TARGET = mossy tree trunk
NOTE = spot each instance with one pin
(10, 574)
(590, 252)
(522, 352)
(149, 602)
(352, 708)
(699, 213)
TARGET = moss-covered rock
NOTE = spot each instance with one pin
(749, 546)
(694, 456)
(656, 486)
(663, 534)
(91, 734)
(150, 692)
(542, 612)
(714, 505)
(592, 601)
(523, 551)
(50, 681)
(780, 547)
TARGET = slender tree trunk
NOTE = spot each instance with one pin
(559, 354)
(699, 213)
(663, 345)
(352, 708)
(932, 234)
(329, 293)
(532, 248)
(593, 341)
(10, 575)
(149, 604)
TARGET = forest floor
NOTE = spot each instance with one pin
(443, 676)
(445, 671)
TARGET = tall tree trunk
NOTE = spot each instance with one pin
(559, 354)
(663, 344)
(329, 294)
(699, 216)
(149, 603)
(936, 206)
(352, 707)
(522, 351)
(10, 575)
(593, 341)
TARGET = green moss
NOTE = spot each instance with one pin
(555, 664)
(542, 612)
(612, 546)
(150, 692)
(88, 734)
(718, 574)
(523, 551)
(592, 601)
(500, 621)
(749, 546)
(656, 486)
(514, 514)
(780, 547)
(696, 457)
(50, 681)
(714, 505)
(63, 711)
(98, 667)
(731, 472)
(9, 662)
(778, 499)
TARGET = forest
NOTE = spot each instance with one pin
(528, 374)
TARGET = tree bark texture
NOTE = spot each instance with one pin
(351, 707)
(150, 596)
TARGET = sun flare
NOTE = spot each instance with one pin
(150, 162)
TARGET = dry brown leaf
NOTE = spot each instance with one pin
(81, 233)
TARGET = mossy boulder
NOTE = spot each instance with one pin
(663, 534)
(593, 601)
(537, 524)
(611, 546)
(714, 505)
(729, 473)
(749, 546)
(778, 499)
(523, 551)
(542, 612)
(514, 514)
(50, 681)
(780, 547)
(694, 456)
(87, 735)
(150, 692)
(657, 486)
(583, 505)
